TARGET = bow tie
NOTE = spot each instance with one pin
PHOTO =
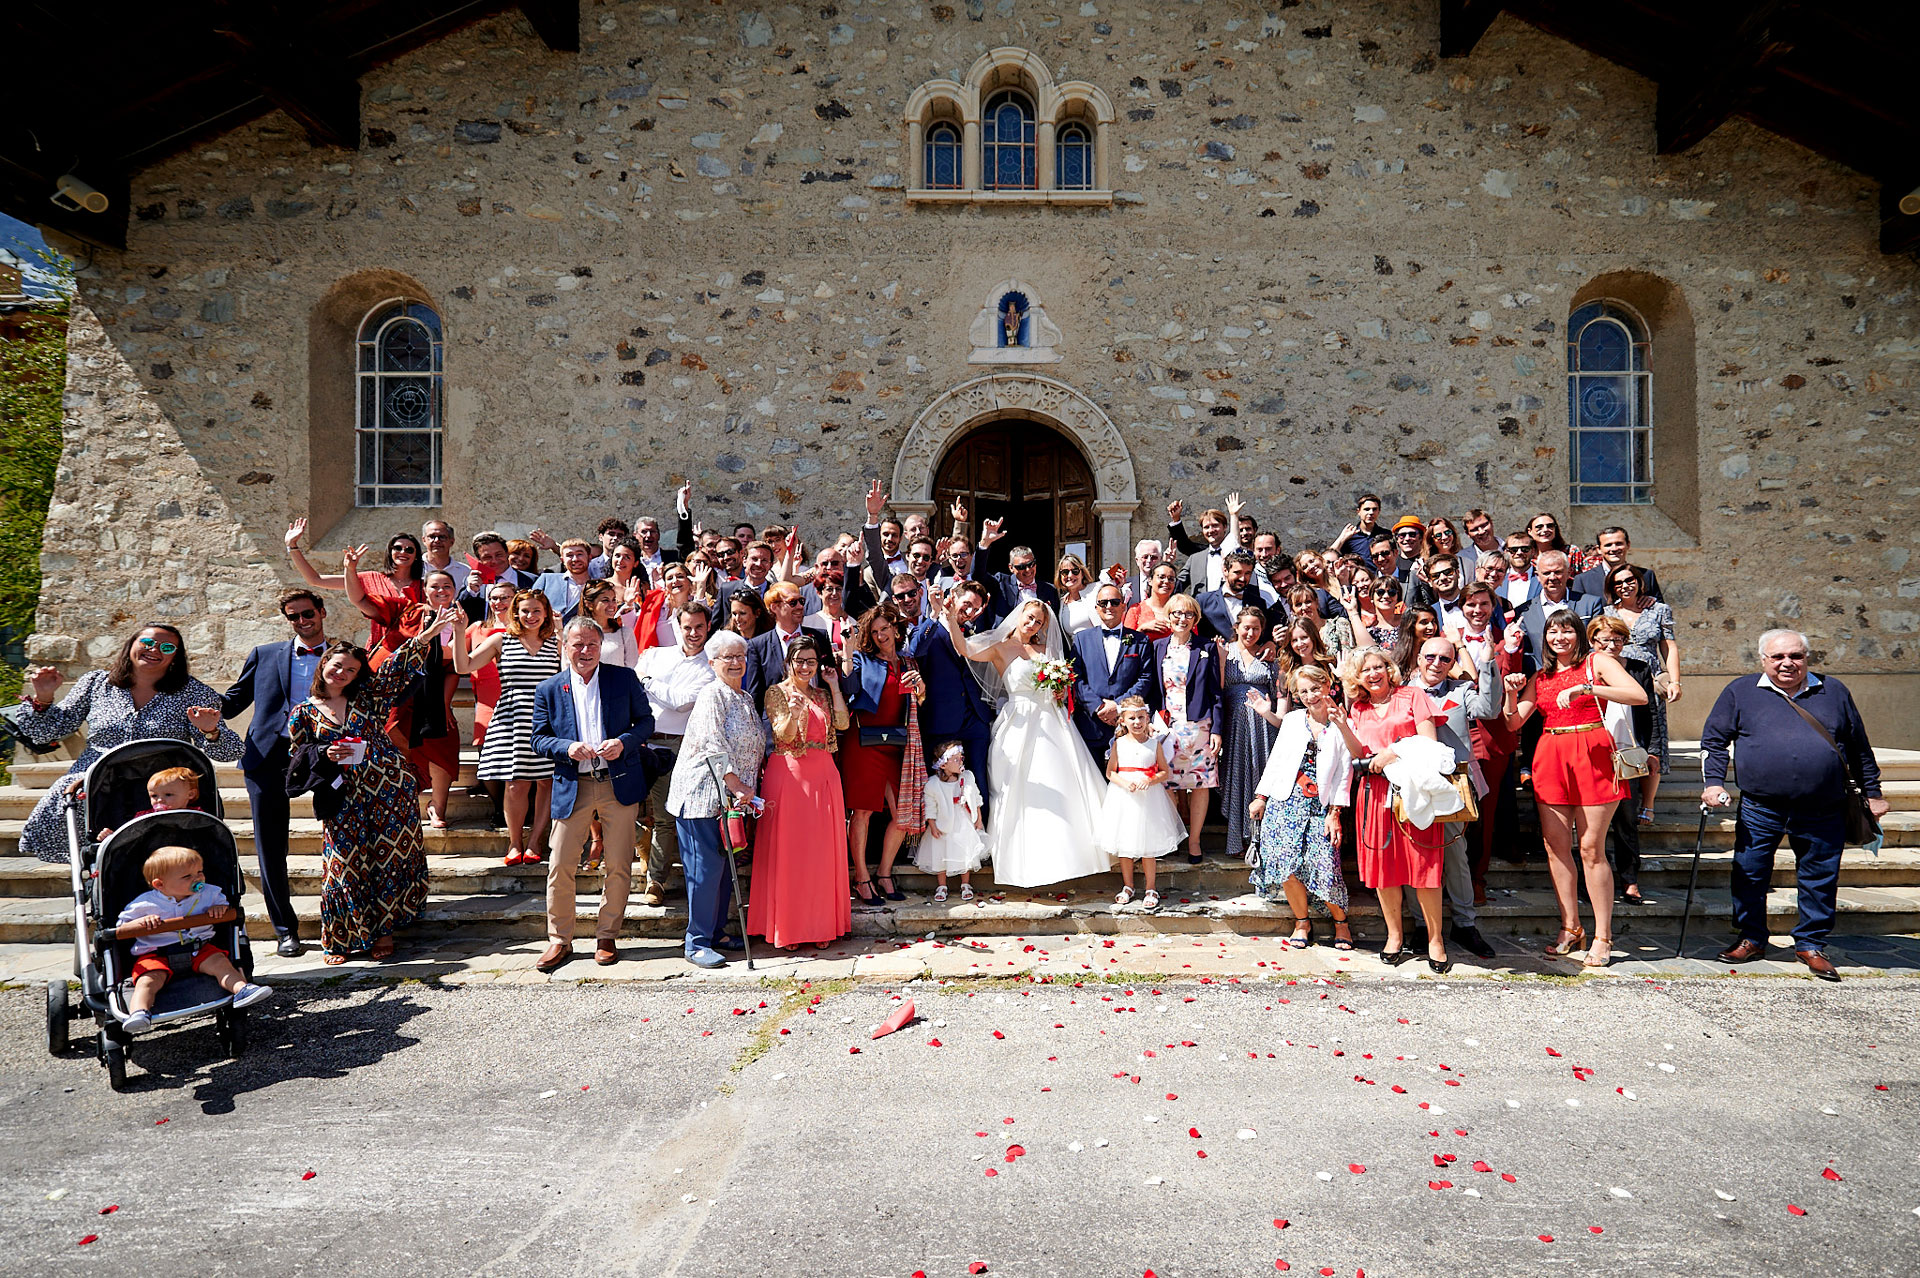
(1516, 576)
(298, 651)
(1113, 634)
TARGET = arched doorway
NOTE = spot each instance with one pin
(1031, 406)
(1031, 477)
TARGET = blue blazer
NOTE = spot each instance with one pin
(624, 713)
(263, 684)
(1006, 595)
(1132, 675)
(955, 706)
(1218, 611)
(1203, 681)
(863, 688)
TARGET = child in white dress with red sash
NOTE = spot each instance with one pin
(1137, 821)
(953, 843)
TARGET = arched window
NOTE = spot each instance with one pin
(1073, 159)
(1609, 407)
(398, 409)
(944, 171)
(1007, 145)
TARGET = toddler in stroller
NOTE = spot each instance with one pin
(172, 931)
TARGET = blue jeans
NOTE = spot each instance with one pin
(1816, 836)
(709, 880)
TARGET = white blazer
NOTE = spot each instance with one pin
(1334, 773)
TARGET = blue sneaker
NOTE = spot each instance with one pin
(704, 957)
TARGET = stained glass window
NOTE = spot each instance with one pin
(944, 168)
(1609, 407)
(398, 408)
(1007, 143)
(1073, 159)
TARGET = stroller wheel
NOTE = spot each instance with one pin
(232, 1028)
(113, 1055)
(58, 1015)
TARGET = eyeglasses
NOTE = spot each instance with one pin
(1182, 613)
(165, 647)
(732, 656)
(1106, 603)
(1071, 572)
(1435, 656)
(920, 555)
(305, 614)
(804, 661)
(1769, 656)
(1407, 535)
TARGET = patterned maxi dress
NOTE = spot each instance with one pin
(373, 866)
(1246, 739)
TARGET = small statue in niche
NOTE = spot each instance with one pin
(1012, 320)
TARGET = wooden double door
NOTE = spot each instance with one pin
(1029, 475)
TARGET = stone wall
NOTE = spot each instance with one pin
(1333, 263)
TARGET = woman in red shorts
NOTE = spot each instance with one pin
(1573, 783)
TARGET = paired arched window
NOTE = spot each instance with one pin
(945, 165)
(1008, 157)
(1609, 406)
(398, 406)
(1073, 158)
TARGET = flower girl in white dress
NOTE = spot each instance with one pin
(953, 843)
(1137, 820)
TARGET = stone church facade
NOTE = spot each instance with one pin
(779, 252)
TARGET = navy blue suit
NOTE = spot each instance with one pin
(1006, 595)
(1132, 675)
(624, 713)
(1219, 610)
(264, 684)
(956, 709)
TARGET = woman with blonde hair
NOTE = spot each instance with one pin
(1190, 709)
(1296, 806)
(1076, 587)
(1394, 854)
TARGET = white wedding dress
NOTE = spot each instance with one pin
(1046, 791)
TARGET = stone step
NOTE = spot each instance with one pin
(466, 873)
(17, 804)
(1862, 911)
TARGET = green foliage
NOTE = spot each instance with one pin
(33, 371)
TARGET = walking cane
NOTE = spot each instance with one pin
(732, 847)
(1693, 877)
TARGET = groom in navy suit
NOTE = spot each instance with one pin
(276, 678)
(955, 708)
(1110, 664)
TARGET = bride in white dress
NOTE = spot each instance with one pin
(1046, 791)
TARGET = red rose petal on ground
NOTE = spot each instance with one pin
(998, 1034)
(934, 1042)
(89, 1238)
(853, 1051)
(1439, 1184)
(1194, 1132)
(1280, 1224)
(1356, 1168)
(1831, 1174)
(1282, 1265)
(1399, 1089)
(785, 1030)
(1595, 1229)
(1201, 1153)
(1796, 1209)
(919, 1273)
(1016, 1151)
(1509, 1177)
(108, 1211)
(1547, 1237)
(1481, 1167)
(1439, 1160)
(1459, 1131)
(992, 1171)
(308, 1175)
(1171, 1096)
(1326, 1273)
(1551, 1052)
(162, 1122)
(1879, 1087)
(977, 1267)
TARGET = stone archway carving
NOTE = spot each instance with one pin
(997, 396)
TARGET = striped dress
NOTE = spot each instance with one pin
(507, 754)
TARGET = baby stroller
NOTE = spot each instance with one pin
(107, 875)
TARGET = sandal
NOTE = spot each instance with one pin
(892, 891)
(1646, 816)
(966, 891)
(1151, 901)
(333, 960)
(434, 820)
(1569, 940)
(863, 890)
(382, 950)
(1603, 946)
(1302, 935)
(940, 893)
(1342, 935)
(1632, 895)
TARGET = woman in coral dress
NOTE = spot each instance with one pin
(800, 891)
(1393, 853)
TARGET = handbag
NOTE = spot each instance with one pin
(883, 735)
(1462, 782)
(1630, 760)
(1861, 827)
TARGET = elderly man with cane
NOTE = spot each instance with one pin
(593, 721)
(1801, 749)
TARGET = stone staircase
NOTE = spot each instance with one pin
(473, 894)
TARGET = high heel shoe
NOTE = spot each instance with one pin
(1440, 966)
(863, 890)
(1394, 958)
(1603, 946)
(892, 891)
(1569, 940)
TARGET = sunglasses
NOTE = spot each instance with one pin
(1435, 656)
(1106, 603)
(169, 648)
(906, 596)
(401, 550)
(1519, 550)
(305, 614)
(1442, 576)
(1026, 567)
(1385, 592)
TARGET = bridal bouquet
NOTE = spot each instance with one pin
(1055, 676)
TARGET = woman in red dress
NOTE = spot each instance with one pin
(1573, 782)
(1393, 854)
(799, 864)
(399, 578)
(424, 731)
(877, 682)
(1149, 616)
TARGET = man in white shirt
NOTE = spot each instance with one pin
(1202, 571)
(1146, 557)
(1481, 540)
(673, 678)
(1519, 584)
(437, 536)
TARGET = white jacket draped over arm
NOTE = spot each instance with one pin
(1333, 774)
